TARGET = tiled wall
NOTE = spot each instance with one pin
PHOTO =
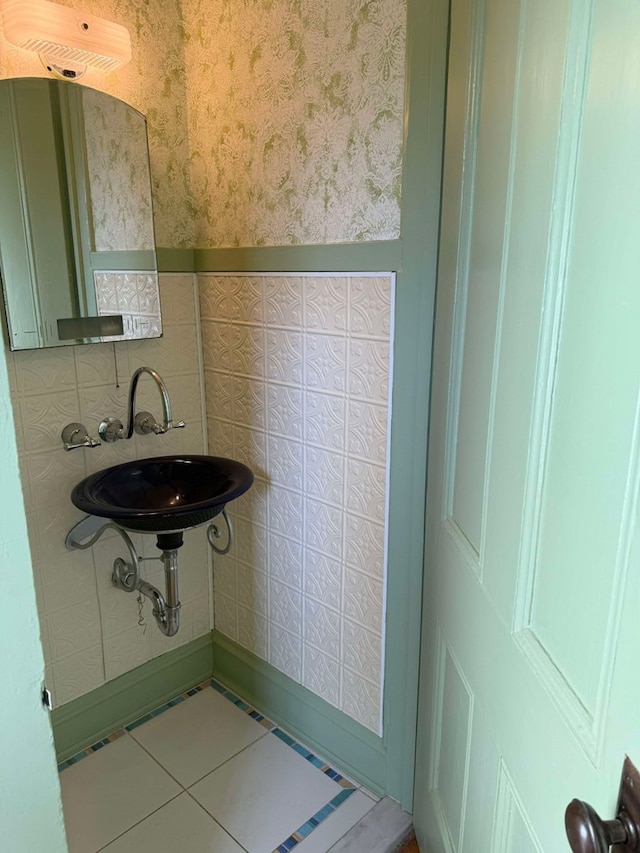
(89, 629)
(297, 387)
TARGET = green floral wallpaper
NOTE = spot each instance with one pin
(295, 119)
(271, 122)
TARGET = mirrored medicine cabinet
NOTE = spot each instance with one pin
(77, 252)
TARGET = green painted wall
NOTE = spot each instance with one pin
(30, 810)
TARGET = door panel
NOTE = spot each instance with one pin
(533, 471)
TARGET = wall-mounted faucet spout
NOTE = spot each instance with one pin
(143, 423)
(144, 426)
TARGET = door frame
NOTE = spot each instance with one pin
(425, 99)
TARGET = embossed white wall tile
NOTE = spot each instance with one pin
(173, 354)
(225, 576)
(285, 462)
(106, 293)
(325, 304)
(66, 578)
(252, 506)
(249, 402)
(220, 437)
(250, 448)
(323, 578)
(216, 345)
(367, 436)
(365, 545)
(283, 302)
(51, 474)
(362, 597)
(324, 475)
(41, 416)
(226, 619)
(100, 401)
(322, 676)
(219, 389)
(361, 699)
(250, 543)
(286, 651)
(213, 299)
(200, 616)
(369, 369)
(321, 459)
(285, 607)
(366, 488)
(41, 371)
(285, 513)
(252, 631)
(325, 419)
(244, 299)
(96, 364)
(362, 650)
(370, 303)
(78, 674)
(74, 628)
(325, 362)
(126, 650)
(285, 560)
(247, 350)
(322, 627)
(284, 356)
(284, 410)
(323, 528)
(253, 588)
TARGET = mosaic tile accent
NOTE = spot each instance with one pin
(90, 750)
(309, 825)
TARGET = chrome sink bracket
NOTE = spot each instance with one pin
(213, 532)
(126, 576)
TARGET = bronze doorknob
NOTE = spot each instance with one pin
(588, 833)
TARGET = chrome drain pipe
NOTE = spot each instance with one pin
(166, 611)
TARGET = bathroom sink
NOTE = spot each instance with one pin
(164, 493)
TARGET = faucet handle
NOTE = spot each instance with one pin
(144, 423)
(75, 435)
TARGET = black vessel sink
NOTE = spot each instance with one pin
(165, 493)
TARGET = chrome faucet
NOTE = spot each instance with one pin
(143, 423)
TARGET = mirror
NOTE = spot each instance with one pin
(77, 252)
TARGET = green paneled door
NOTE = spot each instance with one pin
(529, 692)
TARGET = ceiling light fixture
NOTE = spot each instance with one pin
(67, 40)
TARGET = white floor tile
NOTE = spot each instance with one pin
(264, 794)
(336, 825)
(110, 791)
(198, 735)
(179, 827)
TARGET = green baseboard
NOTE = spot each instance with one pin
(97, 714)
(335, 736)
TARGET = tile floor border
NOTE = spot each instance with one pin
(303, 831)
